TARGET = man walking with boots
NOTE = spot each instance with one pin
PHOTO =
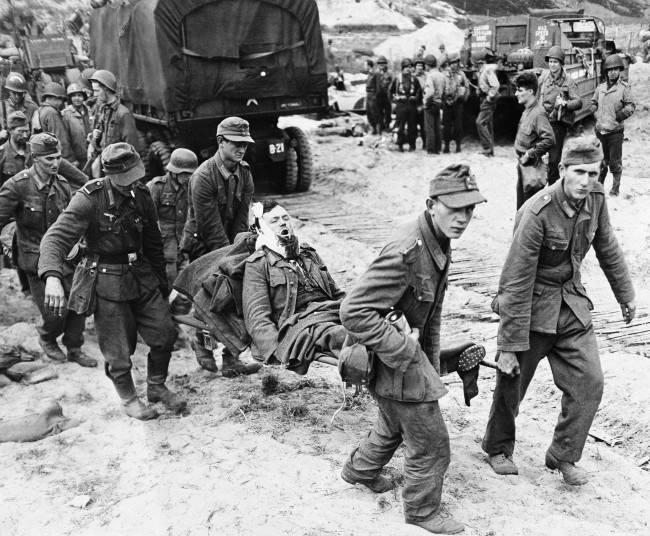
(121, 278)
(434, 85)
(406, 94)
(384, 105)
(410, 275)
(488, 85)
(545, 311)
(372, 87)
(220, 194)
(453, 101)
(35, 198)
(612, 104)
(558, 94)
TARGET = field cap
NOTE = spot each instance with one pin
(122, 164)
(456, 187)
(235, 129)
(582, 150)
(44, 144)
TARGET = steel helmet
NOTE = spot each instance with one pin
(430, 60)
(106, 79)
(16, 82)
(382, 59)
(75, 88)
(182, 161)
(613, 62)
(52, 89)
(418, 60)
(406, 62)
(555, 52)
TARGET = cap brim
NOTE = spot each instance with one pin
(247, 139)
(128, 177)
(174, 169)
(462, 199)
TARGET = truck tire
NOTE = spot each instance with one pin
(159, 154)
(290, 179)
(299, 141)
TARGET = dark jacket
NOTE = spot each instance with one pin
(542, 268)
(410, 275)
(550, 87)
(612, 106)
(11, 162)
(405, 89)
(35, 207)
(170, 199)
(270, 292)
(113, 225)
(117, 124)
(28, 107)
(78, 125)
(50, 120)
(534, 133)
(211, 224)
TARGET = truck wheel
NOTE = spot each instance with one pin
(290, 180)
(159, 154)
(299, 141)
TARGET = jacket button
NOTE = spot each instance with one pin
(419, 298)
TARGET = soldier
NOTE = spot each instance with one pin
(558, 94)
(406, 94)
(372, 87)
(48, 118)
(488, 85)
(410, 275)
(612, 104)
(169, 194)
(454, 95)
(534, 136)
(35, 198)
(421, 76)
(13, 151)
(121, 278)
(220, 194)
(434, 85)
(76, 118)
(18, 101)
(384, 105)
(545, 311)
(112, 121)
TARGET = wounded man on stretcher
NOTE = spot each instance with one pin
(274, 293)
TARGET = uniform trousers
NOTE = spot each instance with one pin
(452, 122)
(573, 356)
(385, 111)
(432, 128)
(485, 124)
(555, 152)
(406, 118)
(372, 112)
(420, 426)
(70, 324)
(612, 157)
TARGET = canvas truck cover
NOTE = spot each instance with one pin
(175, 55)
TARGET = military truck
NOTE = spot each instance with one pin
(522, 41)
(183, 66)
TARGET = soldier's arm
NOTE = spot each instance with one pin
(152, 243)
(68, 228)
(72, 174)
(628, 105)
(418, 90)
(546, 137)
(593, 104)
(257, 307)
(611, 258)
(517, 282)
(9, 201)
(493, 82)
(362, 311)
(574, 102)
(240, 223)
(206, 212)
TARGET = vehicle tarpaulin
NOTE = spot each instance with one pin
(176, 54)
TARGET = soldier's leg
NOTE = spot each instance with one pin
(555, 152)
(437, 128)
(52, 325)
(604, 165)
(426, 458)
(73, 333)
(401, 118)
(500, 434)
(412, 122)
(387, 111)
(366, 461)
(616, 160)
(577, 373)
(422, 130)
(447, 125)
(483, 125)
(458, 124)
(156, 327)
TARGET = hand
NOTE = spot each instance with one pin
(629, 311)
(508, 364)
(559, 101)
(415, 334)
(524, 158)
(54, 296)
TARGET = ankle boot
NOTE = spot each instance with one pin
(158, 392)
(204, 357)
(615, 185)
(132, 405)
(52, 350)
(233, 367)
(75, 355)
(458, 147)
(446, 149)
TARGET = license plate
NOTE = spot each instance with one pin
(276, 150)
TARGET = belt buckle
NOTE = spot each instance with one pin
(132, 257)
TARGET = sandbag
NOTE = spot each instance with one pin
(35, 426)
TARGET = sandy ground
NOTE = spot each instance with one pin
(245, 463)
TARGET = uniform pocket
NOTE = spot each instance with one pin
(554, 250)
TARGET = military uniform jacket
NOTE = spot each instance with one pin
(488, 82)
(114, 225)
(77, 123)
(534, 132)
(611, 106)
(35, 205)
(456, 87)
(28, 107)
(170, 200)
(270, 291)
(405, 88)
(550, 87)
(50, 120)
(211, 220)
(410, 275)
(117, 124)
(542, 269)
(11, 162)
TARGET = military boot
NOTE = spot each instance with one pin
(204, 357)
(75, 355)
(133, 407)
(52, 350)
(574, 476)
(458, 149)
(446, 149)
(615, 185)
(380, 484)
(157, 391)
(233, 367)
(441, 523)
